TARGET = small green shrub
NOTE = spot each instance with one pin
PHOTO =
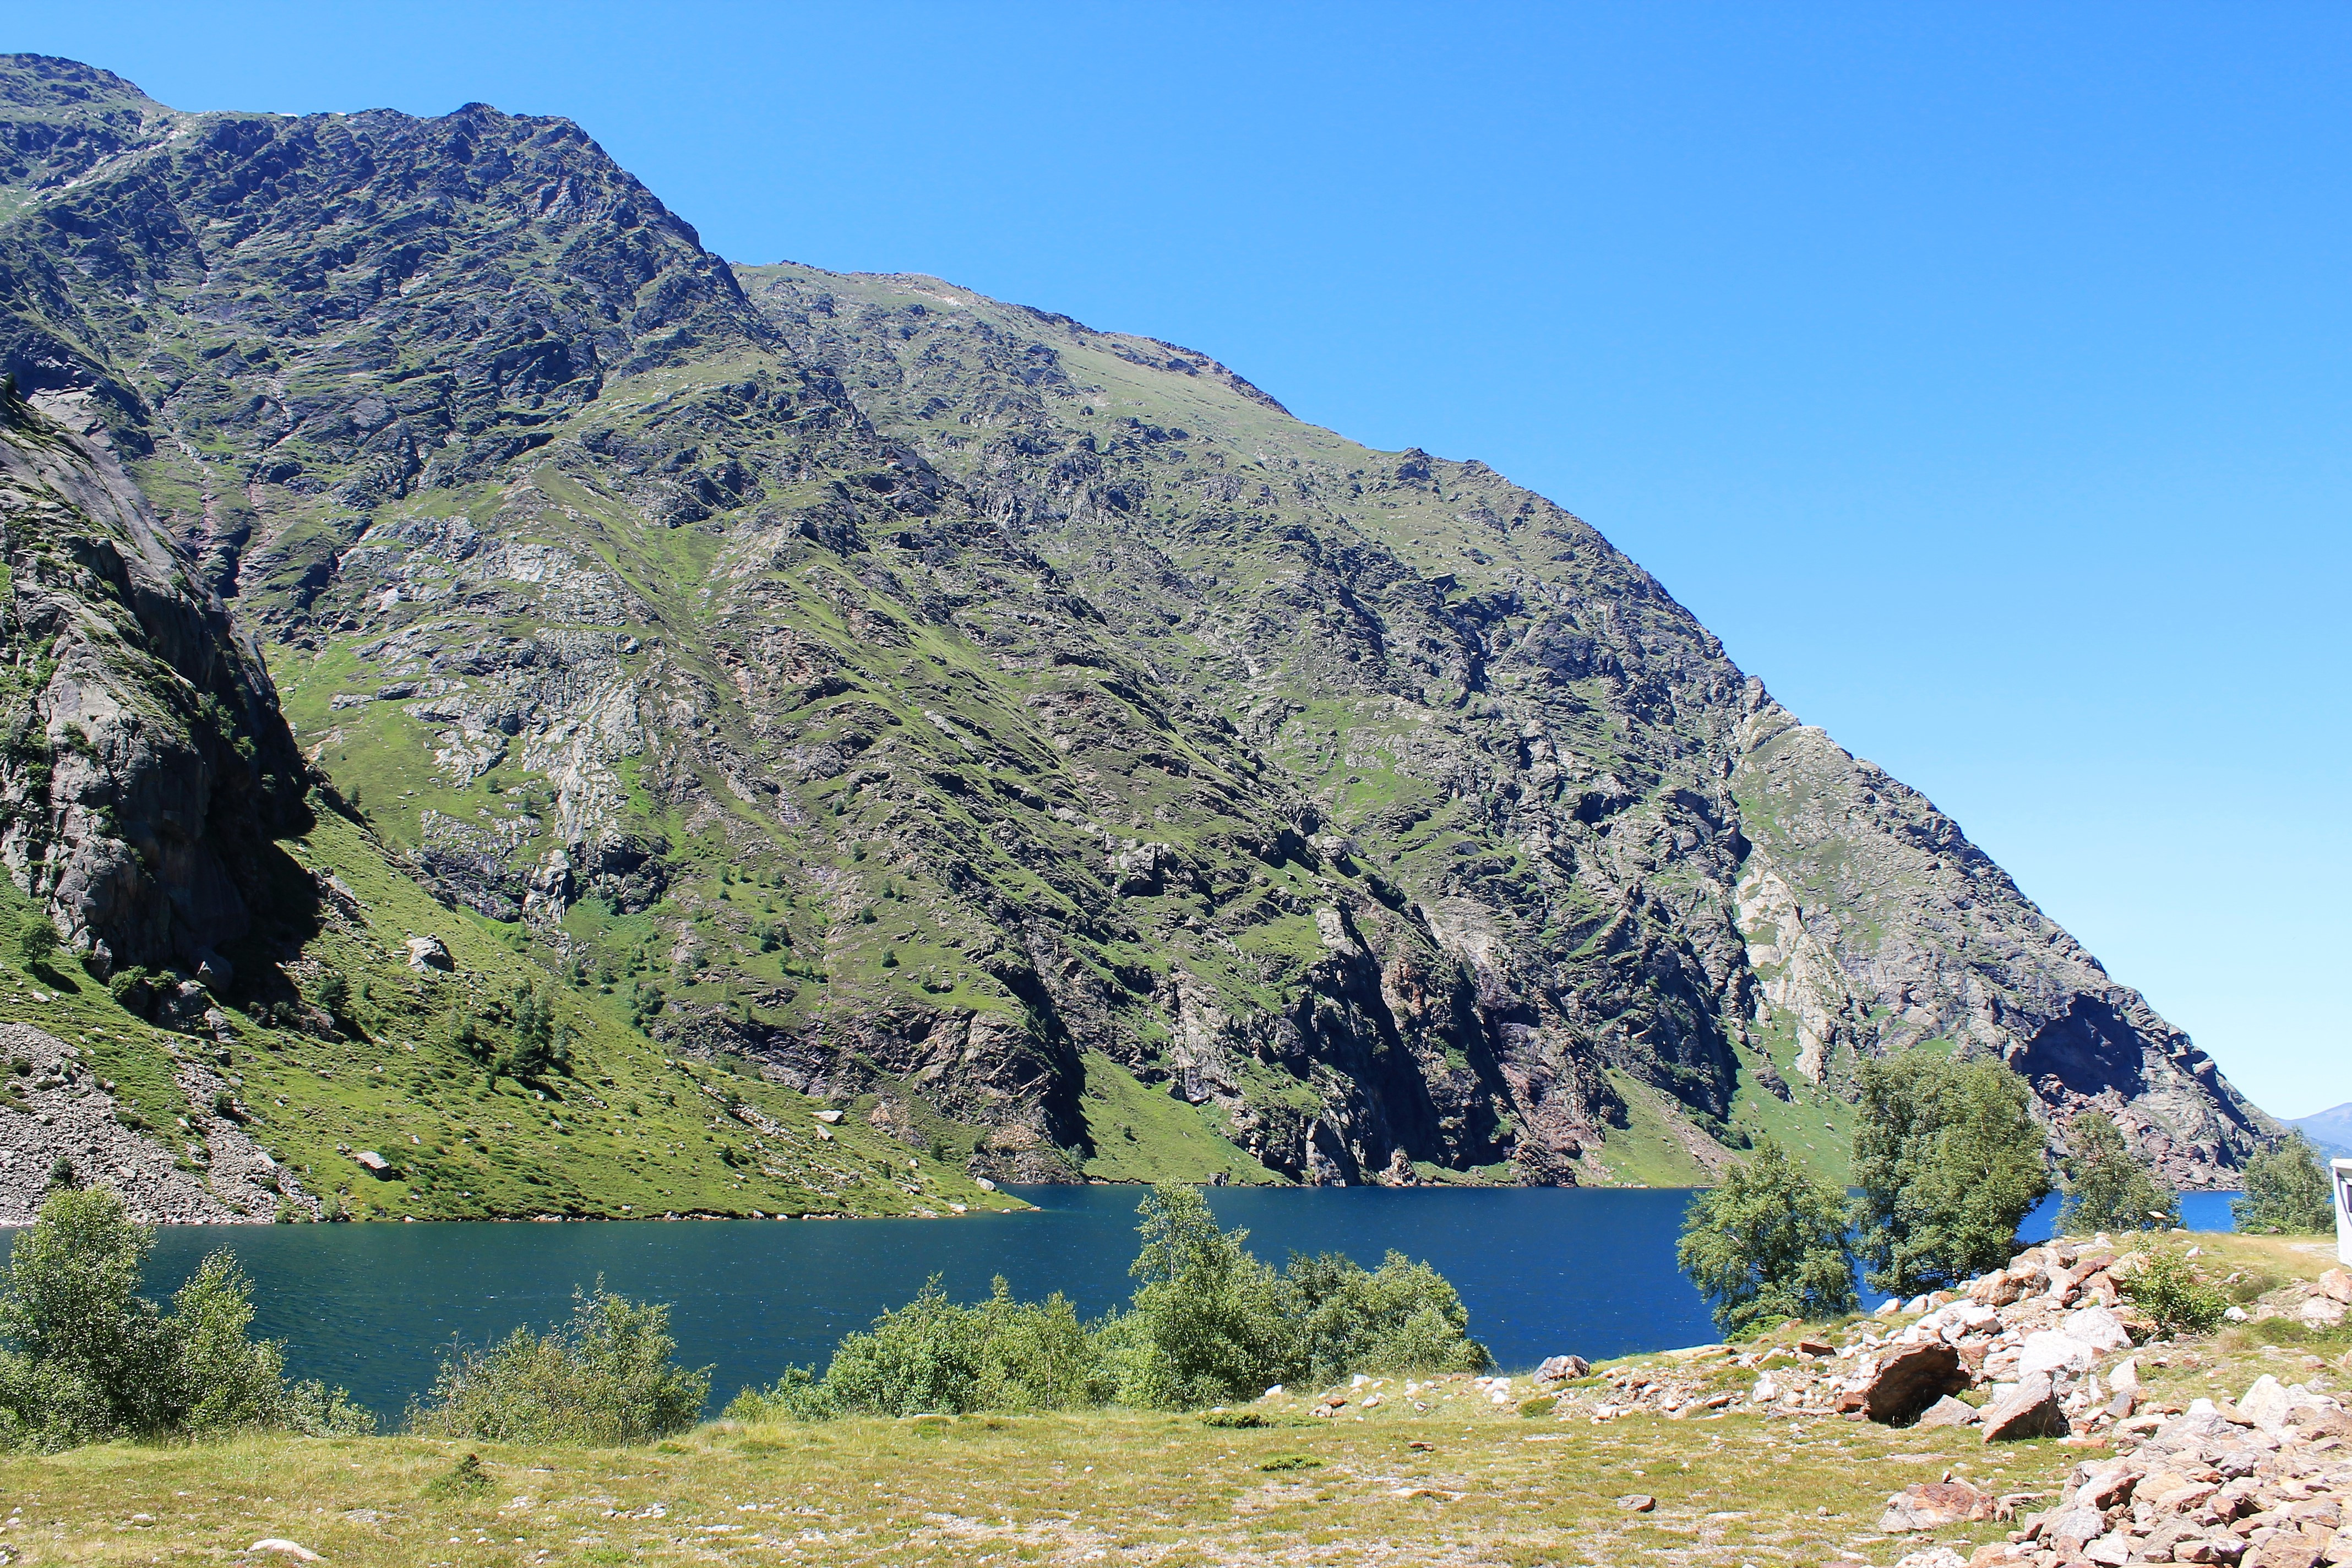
(1235, 1420)
(2170, 1289)
(134, 991)
(1281, 1462)
(604, 1379)
(465, 1478)
(797, 1395)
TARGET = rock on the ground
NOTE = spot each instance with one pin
(1948, 1412)
(1933, 1557)
(1932, 1505)
(428, 951)
(1911, 1379)
(2031, 1409)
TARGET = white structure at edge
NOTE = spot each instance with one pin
(2342, 1170)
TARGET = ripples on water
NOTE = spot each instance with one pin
(1543, 1271)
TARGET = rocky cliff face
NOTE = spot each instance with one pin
(145, 766)
(1035, 728)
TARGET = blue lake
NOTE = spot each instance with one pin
(1543, 1271)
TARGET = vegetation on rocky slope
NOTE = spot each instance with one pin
(1034, 734)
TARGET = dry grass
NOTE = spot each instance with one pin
(1491, 1487)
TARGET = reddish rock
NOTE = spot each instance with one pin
(1932, 1505)
(1911, 1379)
(2030, 1410)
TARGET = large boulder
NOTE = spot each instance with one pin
(1911, 1379)
(2029, 1410)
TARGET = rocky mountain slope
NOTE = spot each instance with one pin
(268, 1017)
(1035, 736)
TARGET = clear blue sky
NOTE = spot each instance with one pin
(1978, 373)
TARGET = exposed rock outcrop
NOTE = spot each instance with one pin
(145, 767)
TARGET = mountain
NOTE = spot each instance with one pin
(156, 806)
(2330, 1130)
(1031, 737)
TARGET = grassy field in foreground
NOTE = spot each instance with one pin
(1489, 1487)
(1465, 1481)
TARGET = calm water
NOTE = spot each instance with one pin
(1543, 1271)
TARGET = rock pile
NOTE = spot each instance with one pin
(2261, 1484)
(2045, 1342)
(56, 1111)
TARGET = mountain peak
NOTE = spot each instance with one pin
(39, 82)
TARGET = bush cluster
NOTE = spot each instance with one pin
(85, 1359)
(605, 1379)
(1209, 1322)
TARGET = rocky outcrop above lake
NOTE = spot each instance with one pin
(145, 765)
(915, 696)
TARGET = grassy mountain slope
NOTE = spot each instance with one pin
(940, 706)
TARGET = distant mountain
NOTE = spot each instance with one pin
(1032, 739)
(2331, 1130)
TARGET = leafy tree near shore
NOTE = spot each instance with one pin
(2106, 1188)
(2286, 1191)
(87, 1358)
(1207, 1323)
(1949, 1158)
(1768, 1242)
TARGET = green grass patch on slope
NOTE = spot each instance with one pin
(1646, 1152)
(1142, 1134)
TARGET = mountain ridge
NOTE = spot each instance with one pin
(2331, 1130)
(935, 700)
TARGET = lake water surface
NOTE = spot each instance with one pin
(1543, 1271)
